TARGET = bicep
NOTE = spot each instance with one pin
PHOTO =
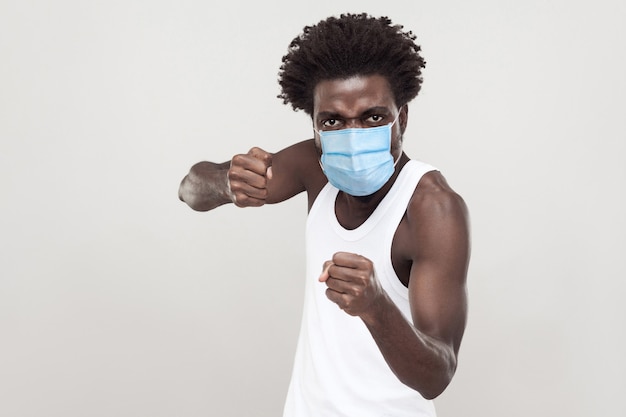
(437, 285)
(294, 169)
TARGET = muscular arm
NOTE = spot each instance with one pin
(423, 354)
(433, 240)
(253, 179)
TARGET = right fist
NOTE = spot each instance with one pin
(248, 176)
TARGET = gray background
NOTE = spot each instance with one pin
(118, 300)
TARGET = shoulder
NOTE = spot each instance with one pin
(433, 196)
(437, 215)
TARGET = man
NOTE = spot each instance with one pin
(387, 238)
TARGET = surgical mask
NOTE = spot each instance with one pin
(358, 161)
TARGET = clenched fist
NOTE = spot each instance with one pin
(352, 283)
(248, 177)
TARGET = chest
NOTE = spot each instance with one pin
(402, 244)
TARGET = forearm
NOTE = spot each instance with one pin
(206, 186)
(418, 360)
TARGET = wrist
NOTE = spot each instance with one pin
(378, 310)
(228, 195)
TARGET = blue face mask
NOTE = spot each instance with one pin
(358, 161)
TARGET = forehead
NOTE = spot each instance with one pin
(351, 96)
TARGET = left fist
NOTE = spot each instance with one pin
(352, 283)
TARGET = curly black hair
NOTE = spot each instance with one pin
(353, 44)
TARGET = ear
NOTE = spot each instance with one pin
(403, 118)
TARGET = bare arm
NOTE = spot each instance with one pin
(435, 237)
(423, 354)
(206, 186)
(253, 179)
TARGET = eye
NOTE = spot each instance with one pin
(375, 119)
(331, 123)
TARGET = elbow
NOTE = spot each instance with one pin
(188, 199)
(434, 389)
(189, 196)
(431, 394)
(196, 205)
(435, 382)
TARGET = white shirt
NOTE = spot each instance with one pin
(338, 369)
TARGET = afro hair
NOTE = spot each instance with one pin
(350, 45)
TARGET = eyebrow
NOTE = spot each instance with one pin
(336, 115)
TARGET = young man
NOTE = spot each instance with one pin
(387, 238)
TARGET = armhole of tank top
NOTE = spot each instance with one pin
(414, 177)
(321, 197)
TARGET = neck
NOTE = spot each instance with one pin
(353, 211)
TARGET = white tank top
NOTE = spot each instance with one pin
(338, 369)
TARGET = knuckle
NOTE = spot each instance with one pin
(235, 175)
(237, 161)
(366, 263)
(363, 276)
(258, 153)
(242, 200)
(234, 184)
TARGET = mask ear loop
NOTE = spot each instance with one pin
(397, 117)
(319, 160)
(395, 162)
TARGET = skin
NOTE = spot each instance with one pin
(430, 250)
